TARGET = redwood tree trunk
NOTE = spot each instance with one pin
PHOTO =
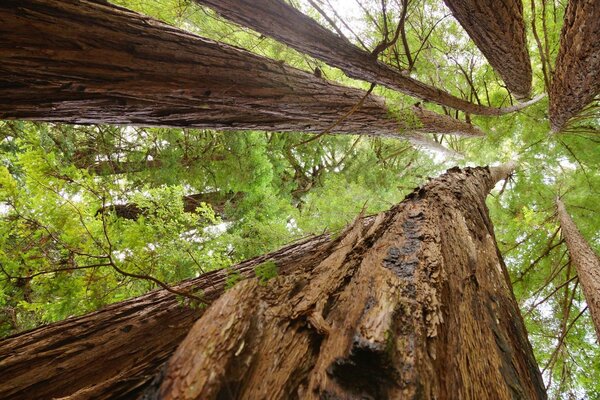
(82, 61)
(576, 78)
(586, 263)
(114, 353)
(417, 305)
(498, 29)
(277, 19)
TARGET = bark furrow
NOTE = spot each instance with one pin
(277, 19)
(417, 305)
(498, 30)
(586, 263)
(576, 80)
(113, 353)
(81, 61)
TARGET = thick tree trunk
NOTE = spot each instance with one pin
(216, 200)
(113, 353)
(279, 20)
(91, 62)
(416, 305)
(498, 29)
(586, 263)
(576, 78)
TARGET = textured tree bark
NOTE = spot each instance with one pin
(114, 353)
(498, 29)
(277, 19)
(586, 263)
(416, 305)
(576, 78)
(80, 61)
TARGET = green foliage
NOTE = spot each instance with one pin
(233, 277)
(266, 271)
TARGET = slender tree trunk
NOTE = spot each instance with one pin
(114, 353)
(576, 78)
(498, 29)
(217, 201)
(81, 61)
(586, 263)
(277, 19)
(416, 305)
(110, 167)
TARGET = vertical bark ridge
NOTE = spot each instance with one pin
(576, 79)
(417, 305)
(498, 30)
(81, 61)
(114, 352)
(586, 263)
(277, 19)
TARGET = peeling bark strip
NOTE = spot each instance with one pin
(586, 263)
(498, 30)
(576, 78)
(279, 20)
(81, 61)
(113, 353)
(417, 305)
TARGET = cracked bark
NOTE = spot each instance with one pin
(586, 263)
(498, 30)
(88, 62)
(576, 79)
(279, 20)
(114, 353)
(416, 305)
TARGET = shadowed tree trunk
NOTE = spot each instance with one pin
(586, 263)
(113, 353)
(279, 20)
(498, 29)
(576, 78)
(110, 167)
(416, 305)
(91, 62)
(217, 201)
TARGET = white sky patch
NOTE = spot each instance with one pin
(292, 226)
(4, 208)
(121, 255)
(218, 229)
(348, 10)
(566, 164)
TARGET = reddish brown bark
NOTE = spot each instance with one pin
(277, 19)
(586, 263)
(113, 353)
(576, 78)
(417, 305)
(498, 29)
(91, 62)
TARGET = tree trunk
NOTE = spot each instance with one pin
(92, 62)
(576, 78)
(110, 167)
(277, 19)
(498, 29)
(216, 200)
(416, 305)
(586, 263)
(114, 353)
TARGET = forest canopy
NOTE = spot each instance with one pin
(93, 214)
